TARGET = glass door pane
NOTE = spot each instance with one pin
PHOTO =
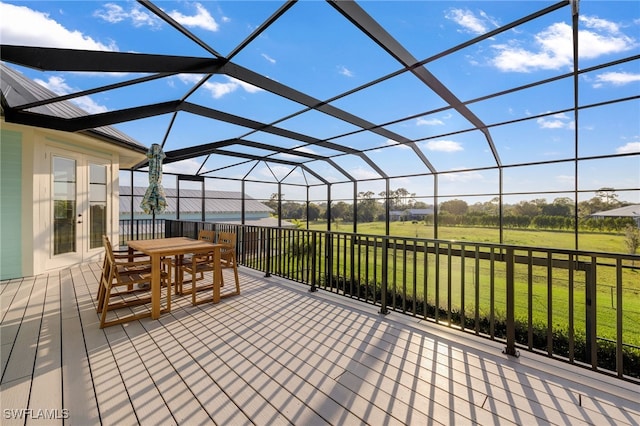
(97, 204)
(64, 205)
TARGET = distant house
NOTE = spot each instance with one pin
(409, 214)
(632, 211)
(219, 206)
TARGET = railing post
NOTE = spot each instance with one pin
(267, 272)
(313, 263)
(510, 349)
(590, 320)
(385, 273)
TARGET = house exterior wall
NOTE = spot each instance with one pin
(10, 204)
(26, 220)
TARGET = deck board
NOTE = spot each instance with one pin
(47, 380)
(78, 393)
(275, 355)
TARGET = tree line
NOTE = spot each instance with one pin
(538, 213)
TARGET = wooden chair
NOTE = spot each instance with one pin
(119, 256)
(205, 235)
(206, 264)
(228, 255)
(120, 274)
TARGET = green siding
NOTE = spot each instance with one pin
(10, 204)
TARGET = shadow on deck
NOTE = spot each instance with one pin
(276, 354)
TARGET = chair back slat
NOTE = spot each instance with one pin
(207, 235)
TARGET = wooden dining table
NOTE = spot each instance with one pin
(159, 248)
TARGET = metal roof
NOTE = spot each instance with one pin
(626, 211)
(191, 201)
(20, 90)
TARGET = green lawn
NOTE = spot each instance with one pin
(587, 241)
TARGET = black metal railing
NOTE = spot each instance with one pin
(577, 306)
(140, 229)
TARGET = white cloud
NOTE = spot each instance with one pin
(27, 27)
(59, 86)
(461, 177)
(115, 13)
(345, 71)
(306, 149)
(469, 21)
(429, 122)
(363, 174)
(219, 89)
(444, 146)
(268, 58)
(202, 19)
(556, 121)
(391, 142)
(629, 147)
(245, 86)
(616, 78)
(189, 166)
(552, 48)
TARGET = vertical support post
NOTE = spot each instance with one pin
(243, 217)
(267, 252)
(279, 204)
(131, 207)
(510, 349)
(590, 323)
(385, 274)
(619, 341)
(203, 200)
(387, 207)
(355, 207)
(435, 212)
(307, 204)
(313, 262)
(329, 214)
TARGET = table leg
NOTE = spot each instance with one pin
(217, 275)
(179, 275)
(156, 291)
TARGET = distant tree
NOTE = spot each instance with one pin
(560, 207)
(490, 207)
(314, 212)
(632, 238)
(456, 207)
(273, 201)
(341, 210)
(402, 197)
(368, 207)
(526, 208)
(292, 210)
(607, 195)
(420, 205)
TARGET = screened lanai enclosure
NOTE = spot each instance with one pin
(451, 168)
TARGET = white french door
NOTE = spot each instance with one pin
(78, 207)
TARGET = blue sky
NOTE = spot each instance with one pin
(315, 50)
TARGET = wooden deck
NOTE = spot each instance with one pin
(276, 354)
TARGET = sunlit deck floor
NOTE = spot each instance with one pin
(276, 354)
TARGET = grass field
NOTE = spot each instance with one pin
(471, 278)
(587, 241)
